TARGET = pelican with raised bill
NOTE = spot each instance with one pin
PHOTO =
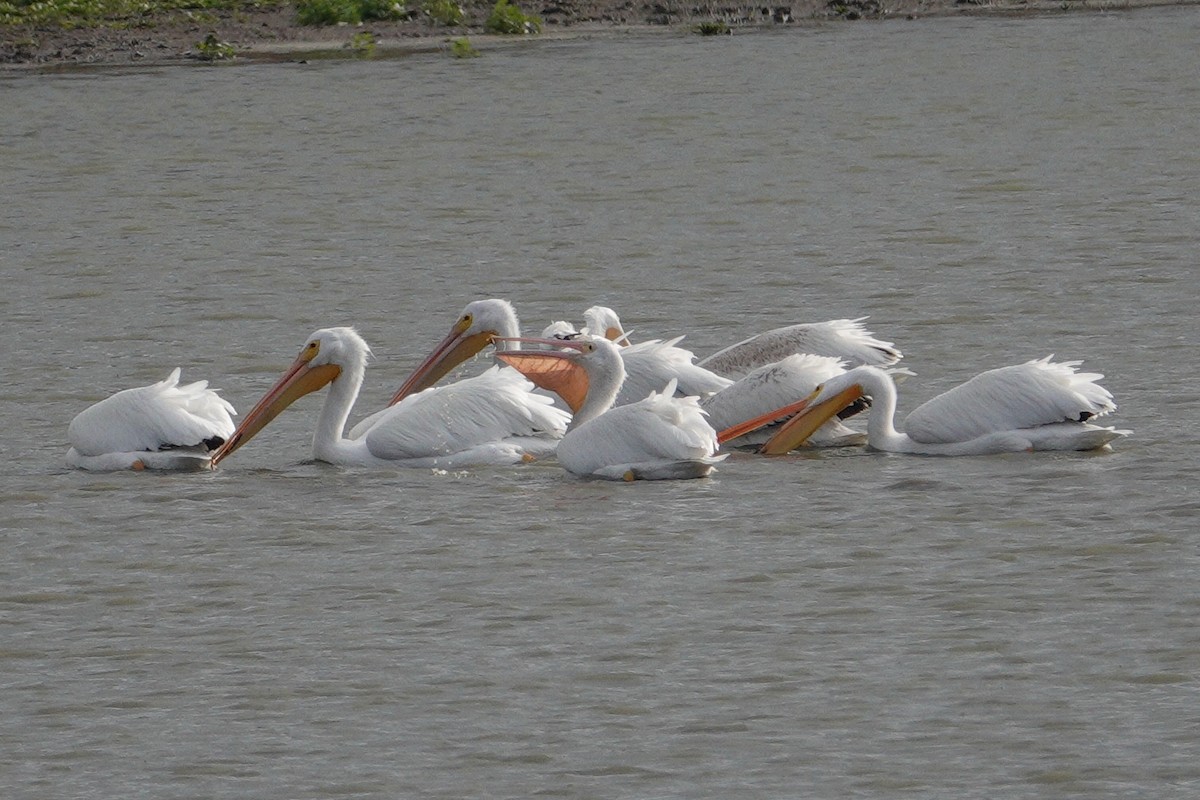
(1038, 405)
(658, 437)
(494, 420)
(160, 426)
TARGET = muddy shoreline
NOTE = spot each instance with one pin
(259, 34)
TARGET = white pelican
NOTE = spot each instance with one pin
(479, 324)
(160, 426)
(1038, 405)
(846, 339)
(658, 437)
(492, 420)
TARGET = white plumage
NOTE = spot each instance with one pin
(1038, 405)
(603, 321)
(846, 339)
(658, 437)
(651, 364)
(160, 426)
(490, 419)
(1010, 398)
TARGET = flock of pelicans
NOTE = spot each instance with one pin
(604, 407)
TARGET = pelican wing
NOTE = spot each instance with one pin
(840, 338)
(651, 364)
(160, 416)
(1040, 392)
(442, 420)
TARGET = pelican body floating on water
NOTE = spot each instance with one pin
(160, 426)
(658, 437)
(491, 420)
(1038, 405)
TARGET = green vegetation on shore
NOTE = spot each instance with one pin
(505, 18)
(332, 12)
(90, 13)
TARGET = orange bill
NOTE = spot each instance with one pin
(300, 379)
(453, 350)
(797, 429)
(770, 418)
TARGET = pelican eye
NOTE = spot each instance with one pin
(310, 350)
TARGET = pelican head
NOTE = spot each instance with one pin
(559, 329)
(826, 401)
(329, 353)
(479, 324)
(603, 321)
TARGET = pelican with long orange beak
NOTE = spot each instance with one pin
(658, 437)
(492, 421)
(1038, 405)
(479, 324)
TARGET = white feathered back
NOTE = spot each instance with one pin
(660, 427)
(650, 364)
(444, 419)
(1039, 392)
(840, 338)
(163, 414)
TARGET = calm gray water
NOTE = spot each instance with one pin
(829, 626)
